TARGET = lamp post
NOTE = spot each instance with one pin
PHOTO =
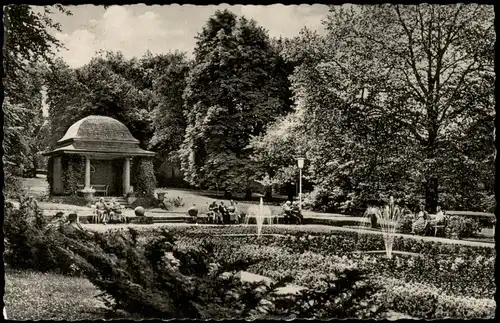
(300, 162)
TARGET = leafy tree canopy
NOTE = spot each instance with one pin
(237, 85)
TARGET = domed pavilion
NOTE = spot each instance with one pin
(97, 150)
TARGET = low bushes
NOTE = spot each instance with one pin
(459, 276)
(461, 227)
(170, 203)
(463, 276)
(457, 269)
(342, 242)
(423, 301)
(29, 242)
(155, 279)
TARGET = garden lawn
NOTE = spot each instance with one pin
(44, 296)
(39, 296)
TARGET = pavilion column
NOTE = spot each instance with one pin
(126, 175)
(57, 187)
(87, 171)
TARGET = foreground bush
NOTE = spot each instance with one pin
(28, 242)
(159, 280)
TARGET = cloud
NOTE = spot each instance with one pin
(134, 29)
(118, 29)
(286, 21)
(80, 45)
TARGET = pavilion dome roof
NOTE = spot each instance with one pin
(98, 128)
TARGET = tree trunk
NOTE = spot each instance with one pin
(248, 195)
(431, 193)
(431, 185)
(290, 189)
(269, 193)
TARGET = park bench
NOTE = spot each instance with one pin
(440, 225)
(98, 188)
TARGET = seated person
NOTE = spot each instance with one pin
(212, 208)
(233, 216)
(296, 212)
(193, 213)
(287, 211)
(224, 213)
(421, 223)
(438, 217)
(115, 211)
(102, 211)
(73, 226)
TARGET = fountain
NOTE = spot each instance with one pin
(261, 214)
(387, 218)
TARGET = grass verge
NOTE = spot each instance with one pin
(42, 296)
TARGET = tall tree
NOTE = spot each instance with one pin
(28, 43)
(232, 93)
(109, 85)
(427, 68)
(391, 97)
(169, 73)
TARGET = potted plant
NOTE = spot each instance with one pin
(131, 198)
(88, 193)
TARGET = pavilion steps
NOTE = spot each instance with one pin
(120, 199)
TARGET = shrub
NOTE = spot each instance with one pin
(30, 244)
(461, 227)
(457, 275)
(422, 301)
(170, 203)
(159, 280)
(144, 177)
(12, 186)
(50, 173)
(73, 173)
(145, 202)
(176, 201)
(142, 220)
(405, 224)
(461, 270)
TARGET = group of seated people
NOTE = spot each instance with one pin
(425, 221)
(291, 213)
(106, 212)
(218, 213)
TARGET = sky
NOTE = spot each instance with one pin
(134, 29)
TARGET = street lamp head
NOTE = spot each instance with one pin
(300, 162)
